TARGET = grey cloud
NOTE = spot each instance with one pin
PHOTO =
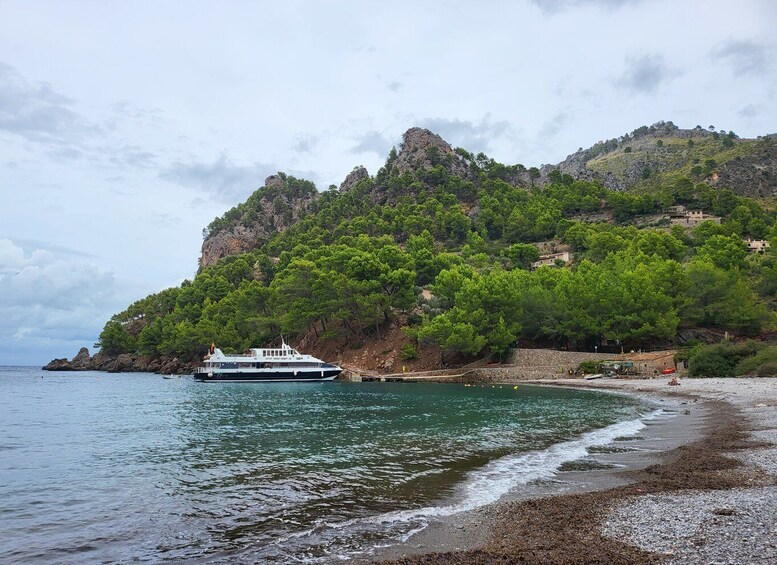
(749, 111)
(550, 7)
(746, 57)
(19, 247)
(36, 112)
(198, 202)
(394, 85)
(140, 116)
(644, 74)
(51, 297)
(305, 143)
(164, 220)
(65, 154)
(471, 136)
(132, 156)
(554, 126)
(221, 178)
(44, 278)
(373, 141)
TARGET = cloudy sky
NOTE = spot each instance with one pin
(125, 127)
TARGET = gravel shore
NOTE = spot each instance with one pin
(707, 496)
(719, 526)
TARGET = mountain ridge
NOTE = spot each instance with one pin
(432, 260)
(640, 160)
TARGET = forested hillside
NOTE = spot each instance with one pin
(441, 242)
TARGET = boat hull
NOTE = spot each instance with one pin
(276, 376)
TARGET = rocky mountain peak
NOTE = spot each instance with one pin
(279, 204)
(422, 149)
(353, 178)
(274, 181)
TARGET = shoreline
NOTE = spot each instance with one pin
(717, 440)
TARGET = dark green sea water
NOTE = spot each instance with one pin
(115, 468)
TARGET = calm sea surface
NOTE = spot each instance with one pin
(134, 467)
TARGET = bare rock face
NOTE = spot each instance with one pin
(354, 177)
(238, 239)
(754, 175)
(271, 212)
(82, 361)
(61, 364)
(422, 149)
(122, 363)
(274, 181)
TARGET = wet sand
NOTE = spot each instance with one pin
(720, 436)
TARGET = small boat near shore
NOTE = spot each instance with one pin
(593, 377)
(281, 364)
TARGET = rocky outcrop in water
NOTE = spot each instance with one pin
(122, 363)
(81, 362)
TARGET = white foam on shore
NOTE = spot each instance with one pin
(490, 483)
(487, 484)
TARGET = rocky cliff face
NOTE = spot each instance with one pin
(746, 166)
(420, 155)
(357, 175)
(753, 175)
(421, 150)
(270, 210)
(238, 239)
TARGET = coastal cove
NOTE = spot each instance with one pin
(102, 466)
(404, 283)
(710, 498)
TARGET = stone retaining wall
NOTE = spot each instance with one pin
(552, 362)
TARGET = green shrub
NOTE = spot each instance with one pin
(720, 360)
(683, 354)
(768, 369)
(408, 352)
(764, 360)
(329, 334)
(414, 319)
(588, 367)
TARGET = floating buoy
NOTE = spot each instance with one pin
(515, 387)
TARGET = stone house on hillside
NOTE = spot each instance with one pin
(679, 216)
(550, 259)
(757, 245)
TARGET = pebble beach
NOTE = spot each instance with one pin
(705, 492)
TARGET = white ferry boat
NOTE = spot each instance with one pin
(282, 364)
